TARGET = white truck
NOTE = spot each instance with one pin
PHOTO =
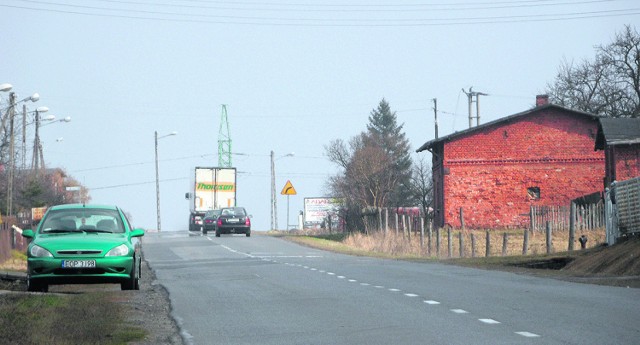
(211, 188)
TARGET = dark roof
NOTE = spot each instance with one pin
(617, 131)
(430, 144)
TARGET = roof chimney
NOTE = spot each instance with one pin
(542, 100)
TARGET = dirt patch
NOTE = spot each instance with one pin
(621, 259)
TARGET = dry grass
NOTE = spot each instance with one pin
(17, 262)
(401, 245)
(64, 319)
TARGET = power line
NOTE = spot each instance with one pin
(332, 22)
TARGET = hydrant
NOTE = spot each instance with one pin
(583, 241)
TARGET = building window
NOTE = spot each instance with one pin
(534, 192)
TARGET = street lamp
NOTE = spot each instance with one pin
(274, 202)
(157, 175)
(11, 114)
(52, 119)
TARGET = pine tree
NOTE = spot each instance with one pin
(384, 132)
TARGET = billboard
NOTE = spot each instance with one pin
(316, 209)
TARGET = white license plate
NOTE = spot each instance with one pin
(78, 263)
(233, 220)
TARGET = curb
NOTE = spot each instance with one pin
(7, 275)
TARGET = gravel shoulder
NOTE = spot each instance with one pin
(150, 309)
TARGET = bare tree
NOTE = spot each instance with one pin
(608, 85)
(422, 184)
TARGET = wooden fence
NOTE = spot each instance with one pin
(587, 217)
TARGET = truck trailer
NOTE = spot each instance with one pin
(211, 188)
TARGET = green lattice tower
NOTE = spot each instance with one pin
(224, 140)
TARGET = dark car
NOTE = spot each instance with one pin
(233, 220)
(210, 221)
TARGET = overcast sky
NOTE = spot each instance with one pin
(293, 74)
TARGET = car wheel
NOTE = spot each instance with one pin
(249, 234)
(36, 287)
(217, 234)
(130, 284)
(204, 231)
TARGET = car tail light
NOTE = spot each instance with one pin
(247, 222)
(208, 221)
(219, 222)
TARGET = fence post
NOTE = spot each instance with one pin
(429, 239)
(525, 243)
(449, 244)
(549, 245)
(438, 242)
(505, 240)
(422, 235)
(572, 226)
(386, 221)
(531, 219)
(409, 222)
(488, 245)
(461, 244)
(397, 224)
(461, 218)
(404, 226)
(379, 219)
(473, 246)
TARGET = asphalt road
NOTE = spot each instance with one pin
(264, 290)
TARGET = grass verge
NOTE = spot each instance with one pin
(88, 318)
(61, 319)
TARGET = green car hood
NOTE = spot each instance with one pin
(81, 241)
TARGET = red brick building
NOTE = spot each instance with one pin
(496, 171)
(620, 140)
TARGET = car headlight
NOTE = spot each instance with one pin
(121, 250)
(39, 252)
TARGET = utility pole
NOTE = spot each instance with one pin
(470, 95)
(435, 114)
(36, 145)
(274, 206)
(11, 114)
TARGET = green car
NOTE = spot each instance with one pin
(83, 244)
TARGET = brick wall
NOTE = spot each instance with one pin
(496, 173)
(627, 162)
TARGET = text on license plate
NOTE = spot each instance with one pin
(78, 263)
(233, 220)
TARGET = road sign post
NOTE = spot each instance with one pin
(288, 190)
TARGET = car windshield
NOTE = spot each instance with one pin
(212, 214)
(236, 212)
(82, 220)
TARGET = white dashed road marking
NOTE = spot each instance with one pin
(429, 302)
(528, 334)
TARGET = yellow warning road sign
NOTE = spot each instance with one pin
(288, 189)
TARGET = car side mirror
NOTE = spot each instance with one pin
(137, 233)
(28, 233)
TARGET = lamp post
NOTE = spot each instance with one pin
(274, 202)
(11, 115)
(158, 176)
(38, 156)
